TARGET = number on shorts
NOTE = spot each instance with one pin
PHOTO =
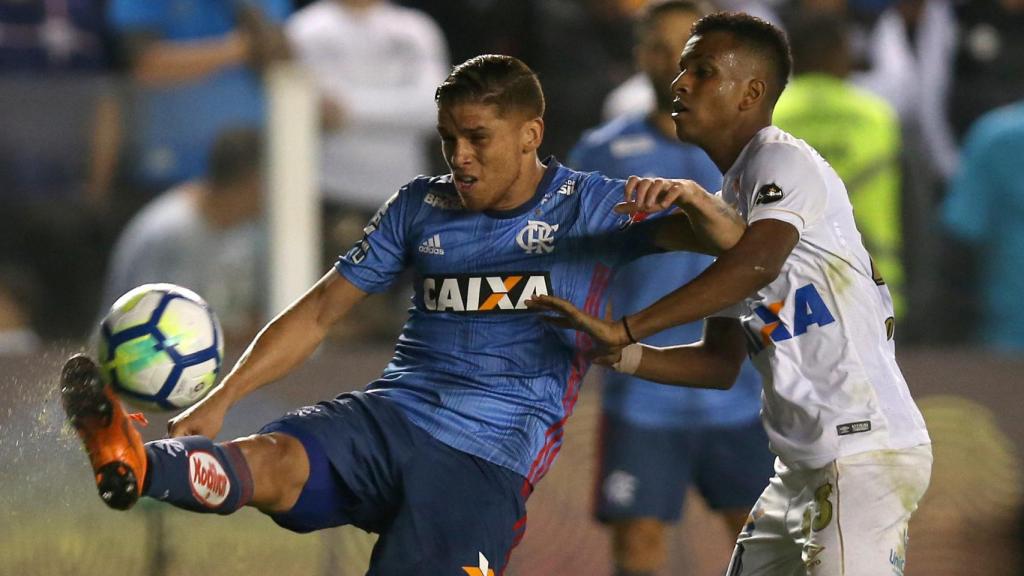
(824, 513)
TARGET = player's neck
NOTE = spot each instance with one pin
(524, 187)
(728, 147)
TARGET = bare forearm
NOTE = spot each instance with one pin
(715, 224)
(748, 266)
(289, 339)
(166, 62)
(727, 281)
(692, 366)
(706, 225)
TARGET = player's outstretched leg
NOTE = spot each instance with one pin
(114, 446)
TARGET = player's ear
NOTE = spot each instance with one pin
(754, 93)
(532, 134)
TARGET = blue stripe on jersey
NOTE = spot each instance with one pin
(620, 148)
(472, 366)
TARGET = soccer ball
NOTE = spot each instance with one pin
(161, 346)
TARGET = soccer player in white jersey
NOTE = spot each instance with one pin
(798, 292)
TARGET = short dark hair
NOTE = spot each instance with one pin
(236, 153)
(760, 36)
(503, 81)
(657, 8)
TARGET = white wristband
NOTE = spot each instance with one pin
(629, 360)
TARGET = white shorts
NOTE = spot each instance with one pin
(846, 519)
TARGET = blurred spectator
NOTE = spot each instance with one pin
(989, 66)
(474, 27)
(17, 291)
(636, 96)
(857, 132)
(55, 54)
(378, 65)
(58, 150)
(910, 59)
(196, 67)
(717, 443)
(984, 210)
(584, 49)
(204, 235)
(49, 35)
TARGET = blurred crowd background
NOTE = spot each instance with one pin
(110, 110)
(132, 150)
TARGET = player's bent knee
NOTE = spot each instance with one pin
(639, 545)
(279, 467)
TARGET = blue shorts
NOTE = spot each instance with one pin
(645, 472)
(436, 509)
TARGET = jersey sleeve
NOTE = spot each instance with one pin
(620, 240)
(783, 183)
(376, 260)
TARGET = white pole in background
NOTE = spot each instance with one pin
(292, 195)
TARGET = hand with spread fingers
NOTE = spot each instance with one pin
(651, 195)
(607, 335)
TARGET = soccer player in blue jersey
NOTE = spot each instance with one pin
(715, 438)
(439, 454)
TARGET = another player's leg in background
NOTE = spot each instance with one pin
(265, 471)
(638, 546)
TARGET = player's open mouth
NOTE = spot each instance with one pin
(464, 183)
(678, 108)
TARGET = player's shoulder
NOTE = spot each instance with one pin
(436, 192)
(1003, 125)
(615, 137)
(776, 151)
(570, 182)
(615, 133)
(312, 19)
(627, 125)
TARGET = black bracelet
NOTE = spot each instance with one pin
(629, 334)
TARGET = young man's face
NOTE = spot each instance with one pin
(657, 53)
(713, 77)
(485, 152)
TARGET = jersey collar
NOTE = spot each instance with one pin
(545, 183)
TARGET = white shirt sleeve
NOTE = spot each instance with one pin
(783, 183)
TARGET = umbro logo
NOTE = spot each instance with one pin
(432, 245)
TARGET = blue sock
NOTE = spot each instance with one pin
(195, 474)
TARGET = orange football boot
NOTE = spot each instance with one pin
(114, 446)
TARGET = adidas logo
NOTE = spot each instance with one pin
(432, 245)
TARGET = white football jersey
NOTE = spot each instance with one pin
(821, 333)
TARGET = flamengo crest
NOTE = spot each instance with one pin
(537, 237)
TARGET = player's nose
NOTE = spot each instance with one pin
(460, 153)
(680, 84)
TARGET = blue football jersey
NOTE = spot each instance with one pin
(628, 146)
(473, 367)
